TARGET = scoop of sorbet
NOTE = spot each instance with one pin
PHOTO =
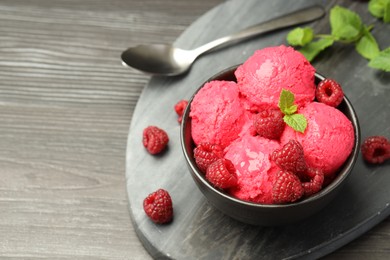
(217, 113)
(263, 75)
(255, 171)
(328, 139)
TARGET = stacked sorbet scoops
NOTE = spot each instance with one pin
(272, 137)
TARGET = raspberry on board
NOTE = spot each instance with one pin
(207, 153)
(179, 108)
(376, 149)
(155, 139)
(290, 158)
(269, 123)
(329, 92)
(222, 174)
(158, 206)
(287, 188)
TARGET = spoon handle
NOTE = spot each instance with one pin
(301, 16)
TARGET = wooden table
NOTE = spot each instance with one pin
(66, 103)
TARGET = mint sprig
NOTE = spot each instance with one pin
(346, 28)
(286, 104)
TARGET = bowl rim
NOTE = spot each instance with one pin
(344, 171)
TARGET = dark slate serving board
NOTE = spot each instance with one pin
(201, 232)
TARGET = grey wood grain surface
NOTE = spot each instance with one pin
(66, 105)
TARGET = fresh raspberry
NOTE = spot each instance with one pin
(158, 206)
(376, 149)
(329, 92)
(269, 123)
(179, 108)
(290, 158)
(222, 174)
(207, 153)
(287, 188)
(316, 182)
(154, 139)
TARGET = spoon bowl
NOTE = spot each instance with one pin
(163, 59)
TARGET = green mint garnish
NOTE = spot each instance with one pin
(300, 36)
(345, 24)
(380, 9)
(286, 104)
(311, 50)
(347, 28)
(367, 45)
(382, 61)
(297, 121)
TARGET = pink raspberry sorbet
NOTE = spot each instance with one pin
(255, 172)
(217, 113)
(328, 139)
(263, 75)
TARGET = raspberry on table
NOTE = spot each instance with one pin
(290, 158)
(154, 139)
(179, 108)
(222, 174)
(316, 182)
(329, 92)
(287, 188)
(376, 149)
(158, 206)
(207, 153)
(269, 123)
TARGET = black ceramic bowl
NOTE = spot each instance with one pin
(264, 214)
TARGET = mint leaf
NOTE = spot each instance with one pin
(382, 61)
(286, 102)
(300, 36)
(367, 45)
(297, 121)
(291, 110)
(380, 9)
(345, 24)
(311, 50)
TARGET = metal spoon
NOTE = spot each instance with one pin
(160, 59)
